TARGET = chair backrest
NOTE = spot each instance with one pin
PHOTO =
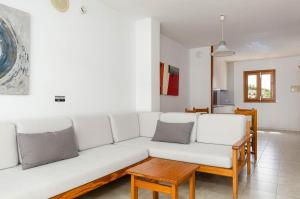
(249, 112)
(201, 110)
(189, 110)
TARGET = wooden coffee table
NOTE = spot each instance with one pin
(161, 175)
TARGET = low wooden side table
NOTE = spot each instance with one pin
(161, 175)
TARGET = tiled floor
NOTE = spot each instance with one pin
(275, 176)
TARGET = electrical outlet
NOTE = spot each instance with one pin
(60, 98)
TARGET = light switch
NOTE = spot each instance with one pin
(60, 98)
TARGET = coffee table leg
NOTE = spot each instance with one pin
(134, 189)
(192, 186)
(155, 195)
(174, 193)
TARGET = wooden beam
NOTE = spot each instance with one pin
(215, 170)
(79, 191)
(153, 186)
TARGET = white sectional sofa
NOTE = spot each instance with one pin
(109, 144)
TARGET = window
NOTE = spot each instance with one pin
(259, 86)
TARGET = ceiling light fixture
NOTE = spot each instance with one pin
(222, 49)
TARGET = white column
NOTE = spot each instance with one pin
(147, 64)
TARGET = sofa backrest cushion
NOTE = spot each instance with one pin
(43, 125)
(124, 126)
(148, 123)
(8, 146)
(92, 131)
(181, 118)
(224, 129)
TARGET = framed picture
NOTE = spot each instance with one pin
(14, 51)
(169, 80)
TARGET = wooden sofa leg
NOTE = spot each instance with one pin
(235, 186)
(248, 158)
(235, 174)
(255, 146)
(134, 189)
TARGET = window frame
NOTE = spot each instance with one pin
(259, 74)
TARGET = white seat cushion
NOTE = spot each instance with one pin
(8, 146)
(55, 178)
(124, 126)
(92, 131)
(148, 122)
(224, 129)
(181, 118)
(199, 153)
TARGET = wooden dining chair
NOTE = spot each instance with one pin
(253, 114)
(201, 110)
(189, 110)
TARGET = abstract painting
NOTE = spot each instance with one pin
(169, 80)
(14, 51)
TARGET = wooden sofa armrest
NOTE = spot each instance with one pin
(241, 142)
(240, 158)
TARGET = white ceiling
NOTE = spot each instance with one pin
(253, 28)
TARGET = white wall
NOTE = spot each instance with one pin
(147, 45)
(200, 77)
(283, 115)
(228, 97)
(88, 58)
(173, 53)
(220, 73)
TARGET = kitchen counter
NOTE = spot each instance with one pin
(224, 108)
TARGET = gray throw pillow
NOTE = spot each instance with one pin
(43, 148)
(173, 132)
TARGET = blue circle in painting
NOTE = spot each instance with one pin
(8, 48)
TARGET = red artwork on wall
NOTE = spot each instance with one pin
(169, 80)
